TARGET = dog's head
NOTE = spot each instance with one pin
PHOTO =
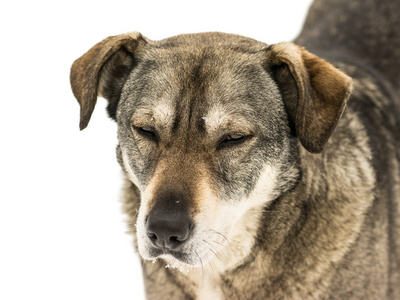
(209, 128)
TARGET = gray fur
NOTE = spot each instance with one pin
(306, 206)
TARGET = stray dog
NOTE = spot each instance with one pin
(246, 176)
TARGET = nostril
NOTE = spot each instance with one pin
(152, 236)
(179, 239)
(167, 233)
(173, 238)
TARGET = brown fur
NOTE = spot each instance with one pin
(319, 94)
(87, 72)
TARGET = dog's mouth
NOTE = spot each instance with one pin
(171, 255)
(196, 251)
(175, 232)
(185, 252)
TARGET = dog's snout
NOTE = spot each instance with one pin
(167, 233)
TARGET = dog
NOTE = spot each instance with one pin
(258, 171)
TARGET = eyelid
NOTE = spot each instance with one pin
(228, 141)
(236, 136)
(146, 128)
(147, 132)
(142, 119)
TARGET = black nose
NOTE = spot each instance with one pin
(168, 233)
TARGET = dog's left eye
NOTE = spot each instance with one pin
(231, 140)
(147, 132)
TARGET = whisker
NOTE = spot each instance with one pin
(220, 235)
(211, 249)
(212, 269)
(223, 245)
(225, 238)
(201, 262)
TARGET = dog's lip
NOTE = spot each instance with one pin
(155, 253)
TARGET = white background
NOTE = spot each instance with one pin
(62, 230)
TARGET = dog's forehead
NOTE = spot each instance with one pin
(212, 79)
(215, 40)
(202, 57)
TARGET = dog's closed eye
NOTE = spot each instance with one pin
(232, 140)
(147, 132)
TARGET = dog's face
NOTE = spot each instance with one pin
(205, 137)
(209, 128)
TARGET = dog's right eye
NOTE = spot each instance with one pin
(147, 132)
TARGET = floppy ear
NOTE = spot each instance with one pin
(314, 92)
(103, 71)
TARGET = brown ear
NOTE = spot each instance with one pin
(102, 71)
(314, 92)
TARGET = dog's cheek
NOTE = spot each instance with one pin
(137, 159)
(212, 220)
(145, 194)
(144, 244)
(207, 213)
(126, 164)
(226, 230)
(243, 221)
(235, 178)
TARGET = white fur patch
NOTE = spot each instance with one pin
(244, 218)
(131, 175)
(215, 119)
(163, 114)
(226, 120)
(143, 241)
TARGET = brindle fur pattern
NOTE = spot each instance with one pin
(308, 207)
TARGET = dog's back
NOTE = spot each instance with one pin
(365, 30)
(363, 38)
